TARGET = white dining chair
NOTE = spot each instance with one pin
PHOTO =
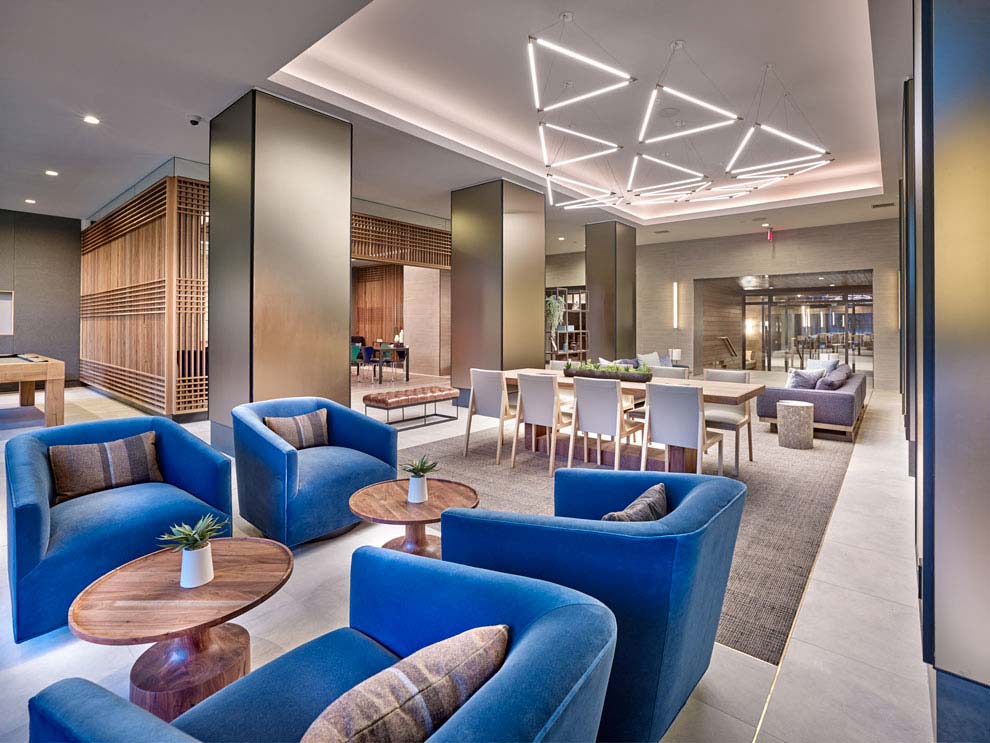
(490, 398)
(599, 408)
(675, 416)
(730, 417)
(539, 404)
(558, 364)
(670, 372)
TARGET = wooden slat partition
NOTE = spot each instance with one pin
(376, 302)
(389, 241)
(143, 295)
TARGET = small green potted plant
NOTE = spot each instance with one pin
(418, 470)
(194, 544)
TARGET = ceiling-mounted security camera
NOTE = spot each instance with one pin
(194, 120)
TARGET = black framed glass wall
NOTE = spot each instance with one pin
(786, 328)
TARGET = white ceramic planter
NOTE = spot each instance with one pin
(418, 490)
(197, 567)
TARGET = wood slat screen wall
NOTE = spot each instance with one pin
(143, 332)
(389, 241)
(376, 302)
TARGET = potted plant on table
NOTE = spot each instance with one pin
(194, 544)
(418, 470)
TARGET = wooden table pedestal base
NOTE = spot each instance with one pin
(173, 675)
(416, 542)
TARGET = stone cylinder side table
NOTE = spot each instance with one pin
(795, 424)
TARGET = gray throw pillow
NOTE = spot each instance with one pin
(650, 505)
(803, 379)
(827, 364)
(831, 381)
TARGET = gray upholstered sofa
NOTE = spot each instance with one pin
(835, 410)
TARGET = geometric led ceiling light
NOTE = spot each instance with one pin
(726, 118)
(610, 147)
(680, 169)
(624, 77)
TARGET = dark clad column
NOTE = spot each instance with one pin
(610, 276)
(280, 194)
(498, 244)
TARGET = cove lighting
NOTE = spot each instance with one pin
(52, 173)
(90, 119)
(773, 164)
(30, 201)
(688, 132)
(582, 58)
(740, 148)
(792, 138)
(675, 167)
(585, 96)
(587, 157)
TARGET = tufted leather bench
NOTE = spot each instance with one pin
(402, 399)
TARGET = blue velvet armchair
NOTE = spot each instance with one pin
(53, 552)
(550, 688)
(297, 496)
(664, 580)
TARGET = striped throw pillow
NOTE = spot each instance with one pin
(81, 469)
(302, 431)
(413, 698)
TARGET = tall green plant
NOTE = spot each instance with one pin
(553, 313)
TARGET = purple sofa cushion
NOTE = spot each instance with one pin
(832, 381)
(803, 379)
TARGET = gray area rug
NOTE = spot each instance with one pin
(790, 499)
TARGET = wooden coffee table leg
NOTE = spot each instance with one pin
(416, 542)
(173, 675)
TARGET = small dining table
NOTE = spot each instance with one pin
(678, 459)
(378, 360)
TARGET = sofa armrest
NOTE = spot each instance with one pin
(590, 494)
(78, 710)
(354, 430)
(266, 452)
(835, 407)
(29, 495)
(193, 465)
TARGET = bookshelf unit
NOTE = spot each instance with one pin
(572, 333)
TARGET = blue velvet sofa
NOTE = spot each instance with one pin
(53, 552)
(297, 496)
(550, 688)
(664, 580)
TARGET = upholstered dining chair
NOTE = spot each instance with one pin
(550, 688)
(675, 416)
(670, 372)
(664, 580)
(539, 404)
(730, 417)
(599, 408)
(489, 398)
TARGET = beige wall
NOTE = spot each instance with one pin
(565, 269)
(721, 314)
(863, 245)
(421, 315)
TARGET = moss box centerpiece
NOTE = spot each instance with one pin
(621, 372)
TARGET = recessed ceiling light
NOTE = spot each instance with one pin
(765, 224)
(831, 284)
(30, 201)
(51, 172)
(821, 278)
(770, 287)
(800, 295)
(561, 238)
(90, 119)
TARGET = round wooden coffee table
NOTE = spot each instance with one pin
(385, 503)
(197, 651)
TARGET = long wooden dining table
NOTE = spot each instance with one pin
(678, 459)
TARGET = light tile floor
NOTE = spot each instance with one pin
(850, 672)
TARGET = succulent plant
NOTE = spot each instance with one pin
(420, 467)
(185, 537)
